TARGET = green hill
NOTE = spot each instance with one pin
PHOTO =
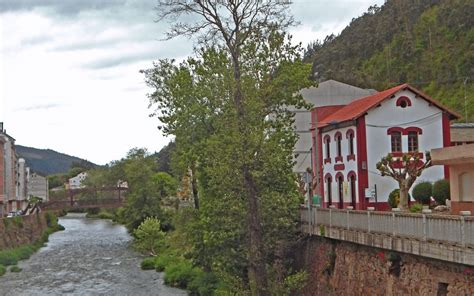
(47, 161)
(427, 43)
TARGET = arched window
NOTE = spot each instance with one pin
(328, 188)
(327, 143)
(403, 102)
(338, 139)
(350, 140)
(340, 189)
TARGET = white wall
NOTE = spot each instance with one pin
(378, 120)
(348, 165)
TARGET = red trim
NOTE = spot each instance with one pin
(403, 99)
(337, 135)
(400, 154)
(339, 167)
(327, 176)
(327, 160)
(352, 174)
(363, 174)
(351, 157)
(380, 206)
(412, 129)
(339, 159)
(320, 164)
(326, 138)
(395, 129)
(446, 139)
(339, 174)
(349, 132)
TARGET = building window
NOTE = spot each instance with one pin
(351, 144)
(328, 189)
(412, 141)
(396, 141)
(327, 143)
(339, 147)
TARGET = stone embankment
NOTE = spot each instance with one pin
(21, 230)
(343, 268)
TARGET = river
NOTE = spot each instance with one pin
(90, 257)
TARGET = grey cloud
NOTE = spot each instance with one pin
(120, 60)
(65, 7)
(39, 107)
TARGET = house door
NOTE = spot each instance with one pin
(341, 192)
(353, 191)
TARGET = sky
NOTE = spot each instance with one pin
(69, 69)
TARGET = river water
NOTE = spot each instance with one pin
(90, 257)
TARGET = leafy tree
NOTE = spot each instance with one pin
(441, 191)
(411, 168)
(149, 236)
(227, 109)
(422, 192)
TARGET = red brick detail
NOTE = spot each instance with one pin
(339, 159)
(339, 167)
(351, 157)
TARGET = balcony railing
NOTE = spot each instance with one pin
(447, 230)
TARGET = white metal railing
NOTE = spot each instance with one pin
(442, 228)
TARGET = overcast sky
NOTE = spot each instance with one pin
(69, 69)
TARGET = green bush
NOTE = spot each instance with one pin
(180, 275)
(3, 270)
(165, 260)
(204, 284)
(394, 198)
(148, 263)
(15, 268)
(441, 191)
(106, 215)
(422, 192)
(8, 257)
(416, 208)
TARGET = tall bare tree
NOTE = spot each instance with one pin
(231, 23)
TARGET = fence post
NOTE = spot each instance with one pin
(348, 224)
(424, 227)
(330, 218)
(368, 221)
(463, 234)
(393, 224)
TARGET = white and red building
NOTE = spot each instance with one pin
(354, 137)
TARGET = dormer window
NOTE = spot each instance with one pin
(403, 102)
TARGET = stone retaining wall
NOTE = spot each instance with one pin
(22, 230)
(343, 268)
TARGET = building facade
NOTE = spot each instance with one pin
(38, 186)
(356, 136)
(76, 182)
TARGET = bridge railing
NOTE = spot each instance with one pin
(424, 227)
(55, 204)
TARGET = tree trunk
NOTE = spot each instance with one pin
(257, 270)
(194, 186)
(403, 204)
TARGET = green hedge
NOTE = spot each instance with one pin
(3, 270)
(422, 192)
(441, 191)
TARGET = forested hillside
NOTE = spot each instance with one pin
(427, 43)
(48, 162)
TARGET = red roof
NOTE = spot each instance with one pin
(359, 107)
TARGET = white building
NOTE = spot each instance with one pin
(76, 182)
(356, 136)
(327, 94)
(38, 186)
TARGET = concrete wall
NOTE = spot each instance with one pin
(421, 114)
(341, 268)
(38, 186)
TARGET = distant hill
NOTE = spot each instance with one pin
(47, 161)
(427, 43)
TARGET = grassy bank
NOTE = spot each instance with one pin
(10, 257)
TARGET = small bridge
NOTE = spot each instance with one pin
(83, 198)
(107, 203)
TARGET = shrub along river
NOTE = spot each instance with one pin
(91, 257)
